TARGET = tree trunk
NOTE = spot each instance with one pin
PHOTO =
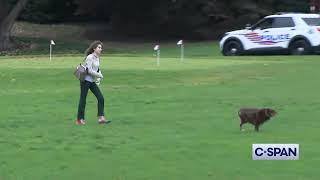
(5, 42)
(6, 24)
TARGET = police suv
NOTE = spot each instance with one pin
(293, 33)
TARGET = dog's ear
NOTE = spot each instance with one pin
(268, 112)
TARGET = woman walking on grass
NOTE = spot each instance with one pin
(92, 78)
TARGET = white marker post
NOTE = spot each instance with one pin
(180, 43)
(157, 48)
(51, 44)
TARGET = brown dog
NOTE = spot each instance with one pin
(255, 116)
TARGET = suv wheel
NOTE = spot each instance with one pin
(232, 48)
(299, 47)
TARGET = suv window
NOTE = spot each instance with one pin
(282, 22)
(264, 24)
(312, 21)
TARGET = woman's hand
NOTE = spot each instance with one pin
(98, 80)
(100, 74)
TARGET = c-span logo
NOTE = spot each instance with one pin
(275, 151)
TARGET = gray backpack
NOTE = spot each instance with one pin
(80, 72)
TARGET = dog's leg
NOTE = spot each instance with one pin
(241, 126)
(256, 123)
(241, 123)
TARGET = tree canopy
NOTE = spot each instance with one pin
(171, 18)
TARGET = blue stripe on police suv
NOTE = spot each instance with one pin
(275, 151)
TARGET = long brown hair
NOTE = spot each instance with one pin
(93, 46)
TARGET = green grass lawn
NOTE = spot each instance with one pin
(177, 121)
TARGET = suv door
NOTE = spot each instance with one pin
(255, 34)
(283, 29)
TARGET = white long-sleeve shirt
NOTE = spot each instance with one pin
(92, 63)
